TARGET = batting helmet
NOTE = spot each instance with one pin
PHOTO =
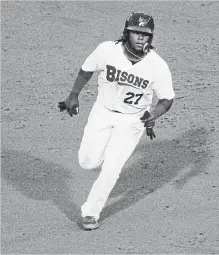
(140, 21)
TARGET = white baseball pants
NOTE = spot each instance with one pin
(109, 140)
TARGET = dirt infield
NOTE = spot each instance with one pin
(166, 199)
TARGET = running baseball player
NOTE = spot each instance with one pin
(130, 73)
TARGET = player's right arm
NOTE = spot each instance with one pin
(94, 62)
(72, 102)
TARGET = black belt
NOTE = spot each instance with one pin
(116, 111)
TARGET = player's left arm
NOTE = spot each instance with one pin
(163, 89)
(163, 106)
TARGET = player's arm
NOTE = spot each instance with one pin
(82, 78)
(148, 119)
(164, 91)
(71, 103)
(94, 62)
(163, 106)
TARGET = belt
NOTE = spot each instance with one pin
(116, 111)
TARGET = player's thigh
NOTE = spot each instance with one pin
(95, 138)
(123, 141)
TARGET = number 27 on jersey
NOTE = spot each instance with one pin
(132, 98)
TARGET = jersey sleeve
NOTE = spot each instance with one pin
(163, 86)
(95, 61)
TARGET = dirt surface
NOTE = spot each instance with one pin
(166, 199)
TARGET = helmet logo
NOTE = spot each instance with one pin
(142, 22)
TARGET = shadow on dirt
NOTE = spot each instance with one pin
(39, 180)
(175, 161)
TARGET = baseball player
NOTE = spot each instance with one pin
(130, 73)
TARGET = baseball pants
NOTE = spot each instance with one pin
(108, 141)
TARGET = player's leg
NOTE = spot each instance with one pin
(123, 140)
(95, 138)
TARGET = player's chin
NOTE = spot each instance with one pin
(139, 47)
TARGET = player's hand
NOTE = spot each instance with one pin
(71, 104)
(148, 120)
(150, 133)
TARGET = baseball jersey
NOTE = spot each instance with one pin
(127, 87)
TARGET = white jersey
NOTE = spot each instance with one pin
(125, 87)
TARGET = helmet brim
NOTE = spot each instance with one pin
(140, 29)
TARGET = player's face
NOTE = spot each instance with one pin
(137, 40)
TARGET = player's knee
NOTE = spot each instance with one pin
(87, 163)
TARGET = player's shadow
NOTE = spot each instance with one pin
(39, 180)
(174, 161)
